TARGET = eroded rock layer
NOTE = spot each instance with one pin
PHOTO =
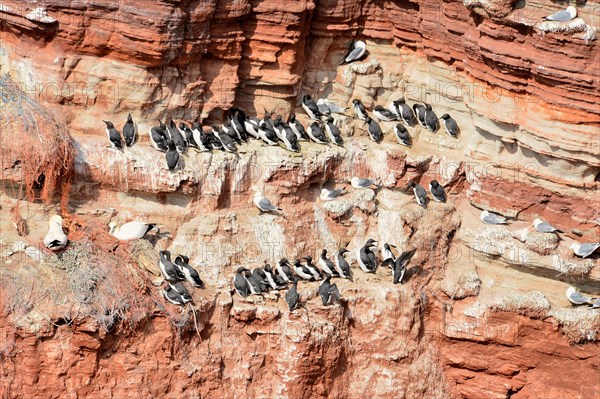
(483, 314)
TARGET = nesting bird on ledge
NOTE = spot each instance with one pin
(130, 231)
(356, 51)
(563, 15)
(55, 239)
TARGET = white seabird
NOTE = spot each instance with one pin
(264, 204)
(357, 50)
(563, 15)
(130, 231)
(359, 182)
(55, 239)
(330, 195)
(329, 107)
(492, 218)
(577, 298)
(586, 249)
(544, 227)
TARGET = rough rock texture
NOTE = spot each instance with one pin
(483, 314)
(528, 113)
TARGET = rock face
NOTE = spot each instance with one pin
(483, 313)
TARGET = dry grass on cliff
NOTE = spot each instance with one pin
(81, 283)
(44, 151)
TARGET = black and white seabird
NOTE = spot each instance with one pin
(225, 139)
(278, 127)
(267, 134)
(359, 109)
(400, 265)
(289, 138)
(326, 265)
(190, 274)
(279, 280)
(267, 119)
(200, 137)
(113, 136)
(297, 127)
(387, 254)
(420, 113)
(333, 132)
(328, 292)
(262, 203)
(130, 231)
(405, 112)
(238, 113)
(420, 193)
(563, 15)
(450, 125)
(366, 257)
(431, 119)
(241, 285)
(584, 250)
(402, 135)
(158, 137)
(172, 156)
(272, 278)
(316, 134)
(330, 195)
(356, 51)
(302, 271)
(253, 283)
(292, 297)
(251, 125)
(342, 266)
(374, 130)
(437, 191)
(383, 114)
(492, 218)
(261, 277)
(55, 238)
(167, 268)
(176, 136)
(230, 131)
(129, 132)
(544, 227)
(188, 135)
(182, 291)
(310, 107)
(215, 142)
(359, 182)
(269, 123)
(237, 124)
(173, 296)
(285, 270)
(312, 268)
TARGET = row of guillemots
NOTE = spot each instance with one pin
(174, 140)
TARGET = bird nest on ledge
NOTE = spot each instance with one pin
(36, 150)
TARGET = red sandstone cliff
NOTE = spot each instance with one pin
(483, 316)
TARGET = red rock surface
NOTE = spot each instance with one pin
(527, 104)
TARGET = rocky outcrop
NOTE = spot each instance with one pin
(483, 313)
(528, 116)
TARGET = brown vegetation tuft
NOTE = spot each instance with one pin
(39, 152)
